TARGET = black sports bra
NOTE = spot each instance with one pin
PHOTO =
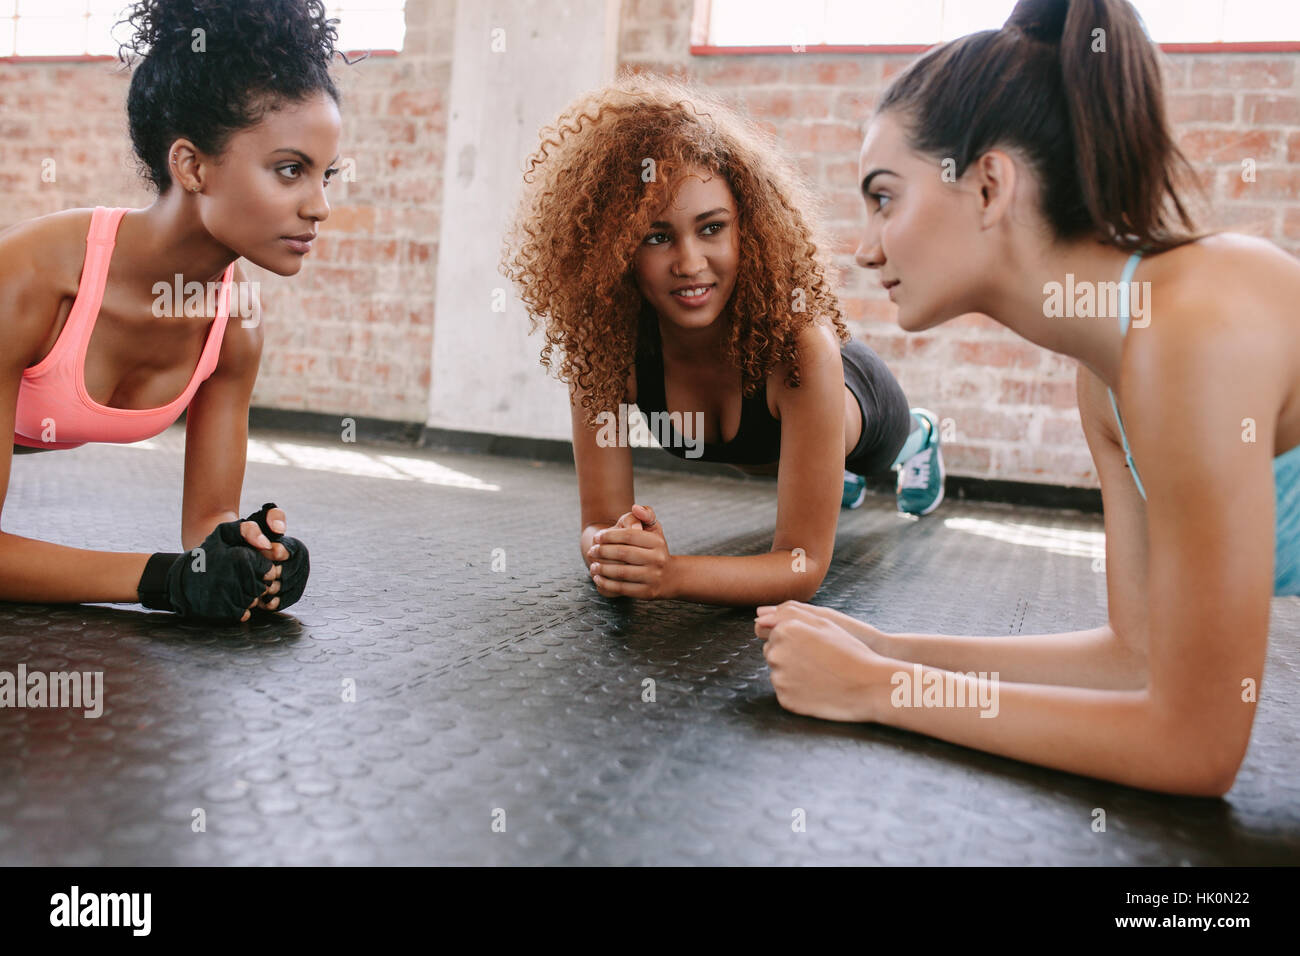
(757, 441)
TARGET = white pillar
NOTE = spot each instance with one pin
(504, 87)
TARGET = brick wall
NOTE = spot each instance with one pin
(352, 333)
(1011, 403)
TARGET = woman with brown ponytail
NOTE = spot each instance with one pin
(997, 170)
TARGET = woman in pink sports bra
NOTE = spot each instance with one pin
(240, 161)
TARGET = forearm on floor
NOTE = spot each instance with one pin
(745, 581)
(1092, 658)
(43, 573)
(1117, 735)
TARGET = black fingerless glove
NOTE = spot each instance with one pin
(217, 580)
(295, 569)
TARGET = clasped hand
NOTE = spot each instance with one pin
(631, 559)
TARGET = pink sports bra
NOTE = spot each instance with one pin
(52, 399)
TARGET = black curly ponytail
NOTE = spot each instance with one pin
(213, 67)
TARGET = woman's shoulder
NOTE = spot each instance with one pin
(820, 370)
(54, 243)
(817, 346)
(1223, 304)
(40, 266)
(1224, 268)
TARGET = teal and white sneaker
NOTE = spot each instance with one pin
(855, 490)
(920, 478)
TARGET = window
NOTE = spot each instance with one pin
(73, 28)
(722, 24)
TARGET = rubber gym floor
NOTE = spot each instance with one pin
(452, 690)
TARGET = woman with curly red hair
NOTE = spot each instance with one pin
(675, 262)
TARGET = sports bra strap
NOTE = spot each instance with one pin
(104, 223)
(1124, 286)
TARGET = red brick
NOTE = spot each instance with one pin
(869, 310)
(1225, 146)
(350, 219)
(1243, 72)
(742, 71)
(809, 165)
(1248, 218)
(1174, 70)
(813, 104)
(976, 423)
(1025, 462)
(643, 11)
(1058, 368)
(855, 105)
(962, 459)
(1269, 184)
(837, 172)
(774, 104)
(1015, 391)
(891, 66)
(1264, 109)
(845, 239)
(1062, 431)
(928, 346)
(822, 138)
(414, 103)
(821, 70)
(962, 384)
(1022, 355)
(843, 206)
(1201, 107)
(1059, 394)
(891, 348)
(635, 39)
(419, 253)
(1291, 223)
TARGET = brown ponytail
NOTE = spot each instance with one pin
(1075, 86)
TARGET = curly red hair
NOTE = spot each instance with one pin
(587, 205)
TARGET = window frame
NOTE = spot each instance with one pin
(701, 47)
(19, 58)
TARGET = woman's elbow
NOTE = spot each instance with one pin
(1200, 782)
(1207, 768)
(1214, 778)
(808, 579)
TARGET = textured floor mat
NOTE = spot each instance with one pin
(499, 714)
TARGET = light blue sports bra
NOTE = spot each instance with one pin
(1286, 474)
